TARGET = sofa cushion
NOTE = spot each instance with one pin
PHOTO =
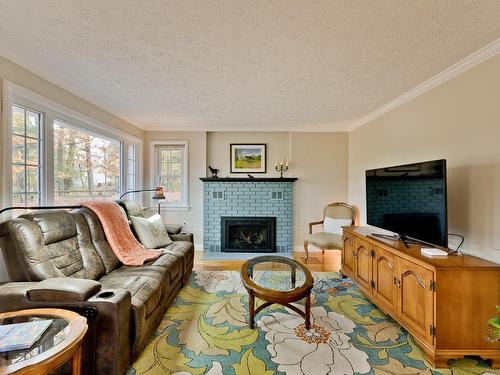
(146, 286)
(108, 257)
(55, 244)
(170, 264)
(174, 228)
(55, 225)
(131, 208)
(151, 231)
(183, 250)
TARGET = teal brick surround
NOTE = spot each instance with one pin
(247, 198)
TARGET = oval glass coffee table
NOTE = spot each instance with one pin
(61, 342)
(276, 279)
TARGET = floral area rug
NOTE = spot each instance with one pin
(206, 332)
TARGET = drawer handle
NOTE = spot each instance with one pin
(354, 254)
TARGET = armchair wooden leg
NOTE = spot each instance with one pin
(306, 244)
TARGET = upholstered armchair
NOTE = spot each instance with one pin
(335, 215)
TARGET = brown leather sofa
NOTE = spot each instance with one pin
(43, 247)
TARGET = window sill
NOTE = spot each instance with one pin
(177, 208)
(167, 208)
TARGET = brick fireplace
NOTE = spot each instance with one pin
(248, 202)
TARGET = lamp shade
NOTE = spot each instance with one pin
(159, 193)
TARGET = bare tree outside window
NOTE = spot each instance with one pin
(86, 166)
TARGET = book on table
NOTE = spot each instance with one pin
(22, 335)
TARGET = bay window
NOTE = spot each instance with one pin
(56, 156)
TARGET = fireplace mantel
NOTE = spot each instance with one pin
(247, 179)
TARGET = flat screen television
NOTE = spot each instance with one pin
(409, 200)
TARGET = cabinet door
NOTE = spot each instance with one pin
(385, 279)
(416, 299)
(363, 264)
(348, 255)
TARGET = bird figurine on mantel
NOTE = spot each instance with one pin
(214, 171)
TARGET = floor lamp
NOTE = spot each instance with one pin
(158, 196)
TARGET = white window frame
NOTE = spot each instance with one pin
(13, 94)
(153, 163)
(41, 160)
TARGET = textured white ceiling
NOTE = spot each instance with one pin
(241, 64)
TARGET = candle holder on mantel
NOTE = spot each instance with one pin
(281, 168)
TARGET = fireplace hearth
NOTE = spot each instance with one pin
(248, 234)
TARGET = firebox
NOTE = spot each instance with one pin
(248, 234)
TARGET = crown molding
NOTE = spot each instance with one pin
(341, 128)
(69, 86)
(476, 58)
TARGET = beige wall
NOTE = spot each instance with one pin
(458, 121)
(197, 165)
(319, 160)
(22, 77)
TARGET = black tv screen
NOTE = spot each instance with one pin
(409, 200)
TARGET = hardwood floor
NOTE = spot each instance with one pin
(317, 262)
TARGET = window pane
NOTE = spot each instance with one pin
(170, 172)
(18, 149)
(32, 199)
(25, 155)
(18, 199)
(18, 185)
(32, 179)
(131, 152)
(172, 189)
(131, 167)
(86, 166)
(17, 120)
(31, 151)
(32, 124)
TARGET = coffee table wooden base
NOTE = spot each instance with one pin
(252, 311)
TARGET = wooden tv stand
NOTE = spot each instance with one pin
(443, 302)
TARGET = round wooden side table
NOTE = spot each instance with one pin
(60, 343)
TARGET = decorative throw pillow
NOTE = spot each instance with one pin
(331, 225)
(151, 231)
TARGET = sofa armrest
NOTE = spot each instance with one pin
(173, 228)
(72, 289)
(112, 323)
(182, 237)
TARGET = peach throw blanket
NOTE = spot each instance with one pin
(121, 239)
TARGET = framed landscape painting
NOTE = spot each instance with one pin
(248, 158)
